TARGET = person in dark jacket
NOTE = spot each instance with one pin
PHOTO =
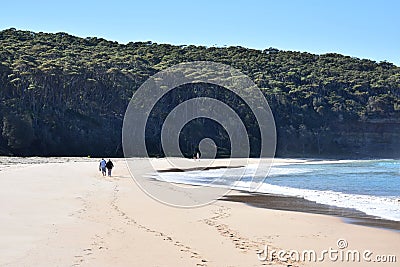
(109, 167)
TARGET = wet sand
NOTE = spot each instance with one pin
(288, 203)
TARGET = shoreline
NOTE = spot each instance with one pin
(110, 221)
(350, 215)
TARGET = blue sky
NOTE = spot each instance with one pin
(364, 29)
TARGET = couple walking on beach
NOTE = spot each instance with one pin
(106, 165)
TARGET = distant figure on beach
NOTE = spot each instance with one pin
(196, 155)
(102, 166)
(109, 166)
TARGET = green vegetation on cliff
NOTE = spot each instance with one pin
(64, 95)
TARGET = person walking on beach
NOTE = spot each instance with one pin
(102, 167)
(109, 166)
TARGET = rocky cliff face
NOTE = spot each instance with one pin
(378, 139)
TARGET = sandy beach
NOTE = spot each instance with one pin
(63, 212)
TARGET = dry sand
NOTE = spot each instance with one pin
(65, 213)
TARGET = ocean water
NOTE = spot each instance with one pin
(370, 186)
